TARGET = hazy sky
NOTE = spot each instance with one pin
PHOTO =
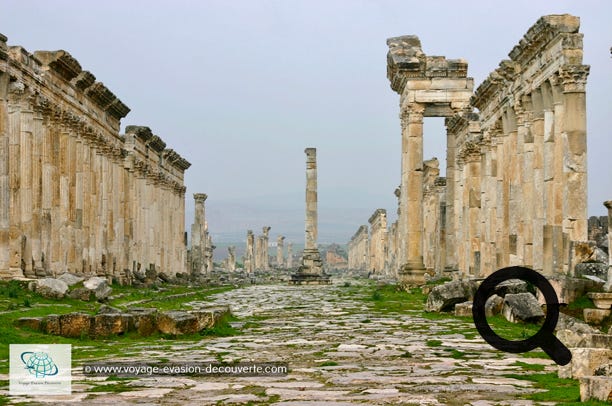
(240, 88)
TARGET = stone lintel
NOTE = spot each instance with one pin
(175, 159)
(60, 62)
(459, 122)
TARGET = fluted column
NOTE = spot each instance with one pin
(311, 258)
(412, 271)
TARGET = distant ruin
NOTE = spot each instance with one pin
(515, 186)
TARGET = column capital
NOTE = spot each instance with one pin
(412, 113)
(574, 77)
(608, 204)
(200, 197)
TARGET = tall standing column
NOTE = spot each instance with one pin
(265, 257)
(289, 255)
(412, 271)
(311, 270)
(198, 236)
(249, 256)
(280, 245)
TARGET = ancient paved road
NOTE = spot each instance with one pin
(340, 352)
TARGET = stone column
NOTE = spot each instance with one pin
(574, 79)
(312, 259)
(231, 258)
(249, 255)
(265, 249)
(412, 271)
(289, 255)
(311, 262)
(198, 235)
(280, 245)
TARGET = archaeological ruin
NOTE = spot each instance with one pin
(76, 195)
(311, 270)
(515, 186)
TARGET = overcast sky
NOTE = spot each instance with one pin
(240, 88)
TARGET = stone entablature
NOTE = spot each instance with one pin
(75, 195)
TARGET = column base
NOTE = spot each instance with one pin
(311, 271)
(412, 274)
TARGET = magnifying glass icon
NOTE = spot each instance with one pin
(544, 338)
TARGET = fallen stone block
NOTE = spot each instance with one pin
(52, 324)
(494, 305)
(83, 294)
(585, 361)
(49, 288)
(596, 388)
(99, 286)
(599, 340)
(595, 317)
(177, 322)
(143, 320)
(104, 325)
(446, 296)
(70, 279)
(522, 307)
(463, 309)
(74, 324)
(601, 300)
(33, 323)
(209, 317)
(572, 331)
(511, 286)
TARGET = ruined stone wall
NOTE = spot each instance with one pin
(522, 160)
(378, 241)
(75, 195)
(358, 247)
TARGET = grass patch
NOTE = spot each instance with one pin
(557, 389)
(529, 367)
(222, 329)
(17, 301)
(328, 364)
(433, 343)
(512, 331)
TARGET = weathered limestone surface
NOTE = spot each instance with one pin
(311, 270)
(280, 245)
(230, 261)
(515, 185)
(201, 253)
(289, 255)
(75, 195)
(262, 258)
(378, 241)
(358, 250)
(249, 256)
